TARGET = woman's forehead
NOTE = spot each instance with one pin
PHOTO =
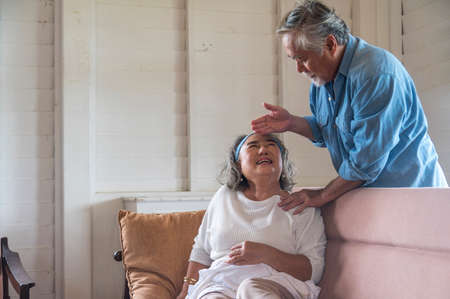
(259, 138)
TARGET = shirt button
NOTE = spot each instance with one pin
(329, 98)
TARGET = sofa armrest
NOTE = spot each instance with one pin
(117, 255)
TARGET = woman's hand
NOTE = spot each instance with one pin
(303, 199)
(249, 253)
(277, 121)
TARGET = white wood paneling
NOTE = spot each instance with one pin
(235, 6)
(27, 136)
(27, 77)
(26, 190)
(432, 76)
(417, 17)
(28, 168)
(26, 32)
(232, 70)
(78, 110)
(140, 115)
(426, 45)
(31, 55)
(44, 284)
(21, 100)
(146, 3)
(29, 146)
(29, 123)
(140, 96)
(29, 236)
(415, 62)
(378, 22)
(28, 11)
(424, 37)
(36, 214)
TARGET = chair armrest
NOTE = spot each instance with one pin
(12, 267)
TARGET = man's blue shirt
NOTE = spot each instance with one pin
(372, 122)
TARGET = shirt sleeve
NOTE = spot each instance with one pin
(312, 121)
(378, 107)
(318, 139)
(201, 249)
(311, 241)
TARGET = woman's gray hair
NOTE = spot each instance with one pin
(231, 176)
(312, 22)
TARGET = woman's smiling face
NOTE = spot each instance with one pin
(260, 156)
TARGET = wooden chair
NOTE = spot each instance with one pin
(12, 271)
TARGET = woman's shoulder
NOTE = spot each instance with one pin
(308, 215)
(224, 190)
(223, 193)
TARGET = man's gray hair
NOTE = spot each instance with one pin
(231, 175)
(312, 22)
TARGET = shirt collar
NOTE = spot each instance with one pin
(346, 61)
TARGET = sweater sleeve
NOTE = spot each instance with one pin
(201, 249)
(311, 241)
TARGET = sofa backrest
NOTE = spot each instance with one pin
(388, 243)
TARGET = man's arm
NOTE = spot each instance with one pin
(318, 197)
(300, 125)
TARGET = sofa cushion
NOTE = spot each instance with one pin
(155, 250)
(388, 243)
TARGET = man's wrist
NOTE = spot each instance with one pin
(325, 195)
(291, 124)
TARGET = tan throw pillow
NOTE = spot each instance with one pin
(155, 250)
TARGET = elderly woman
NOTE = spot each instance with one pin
(249, 247)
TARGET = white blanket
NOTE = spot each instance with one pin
(226, 278)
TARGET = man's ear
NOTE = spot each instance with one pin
(331, 43)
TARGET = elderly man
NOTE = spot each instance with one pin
(364, 106)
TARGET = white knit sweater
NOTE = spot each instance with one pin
(232, 218)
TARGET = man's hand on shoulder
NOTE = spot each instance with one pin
(303, 199)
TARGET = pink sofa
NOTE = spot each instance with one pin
(388, 243)
(382, 244)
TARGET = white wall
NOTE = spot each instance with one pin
(426, 49)
(27, 199)
(140, 95)
(232, 70)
